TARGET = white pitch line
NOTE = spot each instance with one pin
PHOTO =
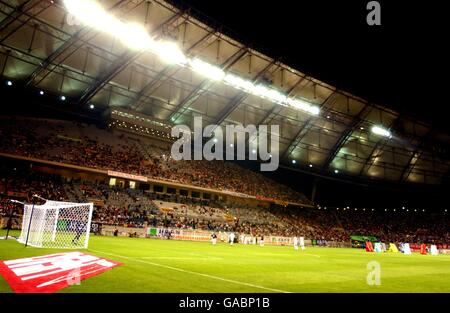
(178, 258)
(194, 273)
(316, 255)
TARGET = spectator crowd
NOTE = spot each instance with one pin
(107, 149)
(137, 208)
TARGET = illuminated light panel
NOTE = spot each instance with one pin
(170, 53)
(93, 15)
(381, 131)
(136, 37)
(206, 69)
(239, 83)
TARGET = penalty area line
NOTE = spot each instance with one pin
(194, 273)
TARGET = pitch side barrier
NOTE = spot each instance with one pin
(204, 235)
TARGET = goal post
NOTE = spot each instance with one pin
(57, 224)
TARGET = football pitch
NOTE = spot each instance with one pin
(152, 265)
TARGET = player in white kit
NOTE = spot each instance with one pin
(302, 243)
(295, 243)
(231, 238)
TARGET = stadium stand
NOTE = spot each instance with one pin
(138, 209)
(90, 146)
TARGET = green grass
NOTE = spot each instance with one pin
(151, 265)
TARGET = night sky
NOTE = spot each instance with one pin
(396, 65)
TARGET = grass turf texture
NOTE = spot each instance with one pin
(152, 265)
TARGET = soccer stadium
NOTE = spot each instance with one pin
(316, 190)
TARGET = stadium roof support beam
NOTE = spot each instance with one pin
(33, 79)
(241, 96)
(204, 86)
(17, 13)
(416, 154)
(276, 109)
(378, 146)
(158, 80)
(16, 16)
(346, 134)
(304, 130)
(51, 58)
(121, 63)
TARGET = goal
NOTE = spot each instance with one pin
(56, 224)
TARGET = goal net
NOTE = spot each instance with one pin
(57, 224)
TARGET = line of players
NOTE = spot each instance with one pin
(297, 241)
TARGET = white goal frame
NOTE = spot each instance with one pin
(57, 224)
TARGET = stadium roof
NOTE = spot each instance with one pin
(44, 47)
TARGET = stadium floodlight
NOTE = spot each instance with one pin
(206, 69)
(268, 93)
(314, 110)
(275, 96)
(261, 91)
(303, 105)
(136, 37)
(169, 52)
(239, 83)
(94, 15)
(381, 131)
(297, 103)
